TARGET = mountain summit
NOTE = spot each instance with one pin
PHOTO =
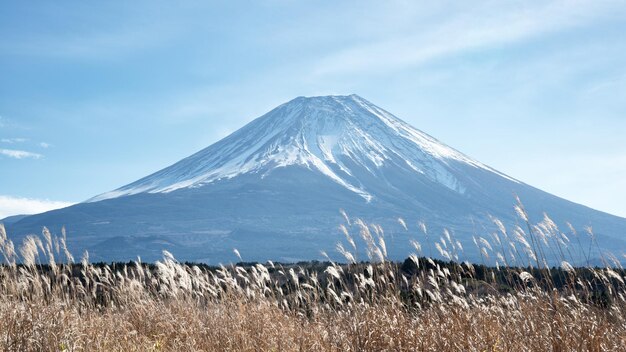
(273, 189)
(340, 137)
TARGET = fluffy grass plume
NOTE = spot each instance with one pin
(47, 303)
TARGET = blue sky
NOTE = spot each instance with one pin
(96, 95)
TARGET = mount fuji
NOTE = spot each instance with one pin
(273, 190)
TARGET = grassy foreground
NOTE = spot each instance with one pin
(422, 305)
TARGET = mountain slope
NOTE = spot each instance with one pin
(337, 136)
(273, 189)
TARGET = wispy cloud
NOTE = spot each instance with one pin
(610, 84)
(471, 28)
(13, 140)
(45, 145)
(9, 123)
(22, 206)
(20, 154)
(119, 39)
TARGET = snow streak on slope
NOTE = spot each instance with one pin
(341, 137)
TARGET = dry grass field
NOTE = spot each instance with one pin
(421, 305)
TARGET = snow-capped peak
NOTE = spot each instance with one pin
(338, 136)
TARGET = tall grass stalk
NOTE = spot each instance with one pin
(48, 303)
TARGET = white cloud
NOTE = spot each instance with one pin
(44, 145)
(469, 28)
(19, 154)
(13, 140)
(22, 206)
